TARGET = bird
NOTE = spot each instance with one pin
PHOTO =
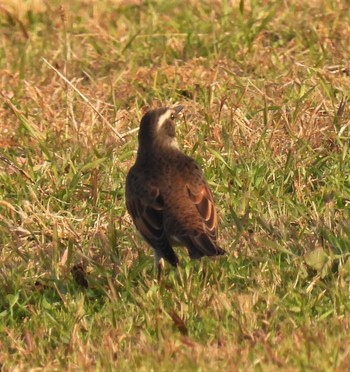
(167, 195)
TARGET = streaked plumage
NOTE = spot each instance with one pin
(167, 195)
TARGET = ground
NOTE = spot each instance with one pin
(264, 85)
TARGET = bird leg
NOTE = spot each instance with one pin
(160, 266)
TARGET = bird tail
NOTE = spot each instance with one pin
(201, 245)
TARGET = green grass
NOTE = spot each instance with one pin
(264, 85)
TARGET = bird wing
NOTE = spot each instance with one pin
(203, 243)
(145, 205)
(201, 196)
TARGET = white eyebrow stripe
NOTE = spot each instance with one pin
(162, 119)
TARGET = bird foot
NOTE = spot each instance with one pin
(160, 267)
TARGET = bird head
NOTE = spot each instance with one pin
(157, 128)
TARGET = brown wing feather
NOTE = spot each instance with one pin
(145, 205)
(202, 198)
(146, 212)
(203, 243)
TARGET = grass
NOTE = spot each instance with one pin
(265, 87)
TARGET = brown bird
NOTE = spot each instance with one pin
(167, 195)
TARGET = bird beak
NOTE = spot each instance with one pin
(178, 109)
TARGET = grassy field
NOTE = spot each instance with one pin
(265, 86)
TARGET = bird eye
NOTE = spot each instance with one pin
(172, 117)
